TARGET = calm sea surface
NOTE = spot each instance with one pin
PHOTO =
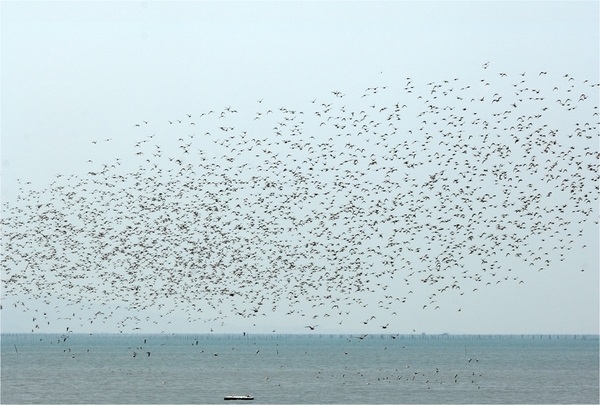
(174, 369)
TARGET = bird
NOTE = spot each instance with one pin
(315, 206)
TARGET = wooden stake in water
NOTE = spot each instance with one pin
(16, 349)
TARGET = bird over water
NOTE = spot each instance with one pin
(313, 209)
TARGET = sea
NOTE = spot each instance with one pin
(299, 369)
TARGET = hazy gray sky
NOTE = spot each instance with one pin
(77, 73)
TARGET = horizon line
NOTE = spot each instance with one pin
(365, 334)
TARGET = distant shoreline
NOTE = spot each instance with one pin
(238, 335)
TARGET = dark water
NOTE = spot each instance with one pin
(299, 368)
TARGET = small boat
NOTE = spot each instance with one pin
(238, 397)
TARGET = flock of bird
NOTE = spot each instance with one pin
(349, 200)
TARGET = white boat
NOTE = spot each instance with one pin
(239, 397)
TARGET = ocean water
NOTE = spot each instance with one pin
(311, 368)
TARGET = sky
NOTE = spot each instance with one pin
(76, 74)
